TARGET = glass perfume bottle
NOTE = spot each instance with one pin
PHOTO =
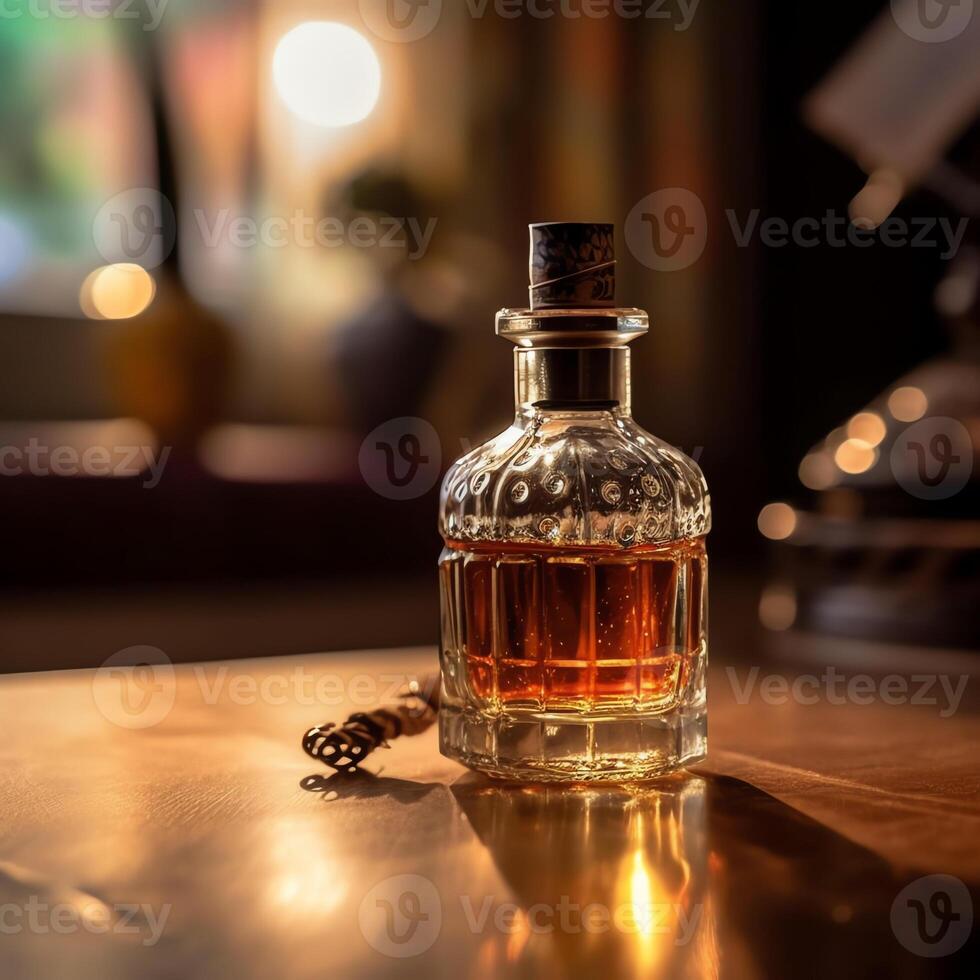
(574, 574)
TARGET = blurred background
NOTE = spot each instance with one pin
(241, 242)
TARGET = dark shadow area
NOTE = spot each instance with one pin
(363, 785)
(736, 881)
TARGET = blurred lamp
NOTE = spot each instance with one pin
(868, 427)
(777, 521)
(777, 607)
(117, 292)
(908, 404)
(855, 456)
(327, 74)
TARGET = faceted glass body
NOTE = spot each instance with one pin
(574, 601)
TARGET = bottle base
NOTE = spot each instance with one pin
(532, 746)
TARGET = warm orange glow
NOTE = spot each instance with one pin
(85, 296)
(908, 404)
(777, 608)
(645, 894)
(855, 456)
(877, 199)
(817, 471)
(116, 292)
(327, 74)
(299, 864)
(777, 521)
(868, 427)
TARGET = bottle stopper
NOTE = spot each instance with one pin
(573, 266)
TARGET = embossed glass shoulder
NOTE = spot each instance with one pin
(574, 575)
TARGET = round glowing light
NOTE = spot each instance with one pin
(777, 521)
(868, 427)
(908, 404)
(855, 456)
(117, 292)
(817, 471)
(777, 608)
(326, 73)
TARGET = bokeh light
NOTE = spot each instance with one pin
(777, 521)
(116, 292)
(777, 608)
(908, 404)
(817, 471)
(869, 427)
(855, 456)
(327, 74)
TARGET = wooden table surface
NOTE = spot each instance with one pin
(205, 844)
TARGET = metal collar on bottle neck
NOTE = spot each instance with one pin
(571, 328)
(571, 378)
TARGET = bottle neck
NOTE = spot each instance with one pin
(572, 378)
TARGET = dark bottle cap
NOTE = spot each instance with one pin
(573, 266)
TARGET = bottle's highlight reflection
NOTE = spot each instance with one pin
(605, 881)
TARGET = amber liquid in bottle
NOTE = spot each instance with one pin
(574, 575)
(587, 629)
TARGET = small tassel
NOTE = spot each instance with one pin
(345, 747)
